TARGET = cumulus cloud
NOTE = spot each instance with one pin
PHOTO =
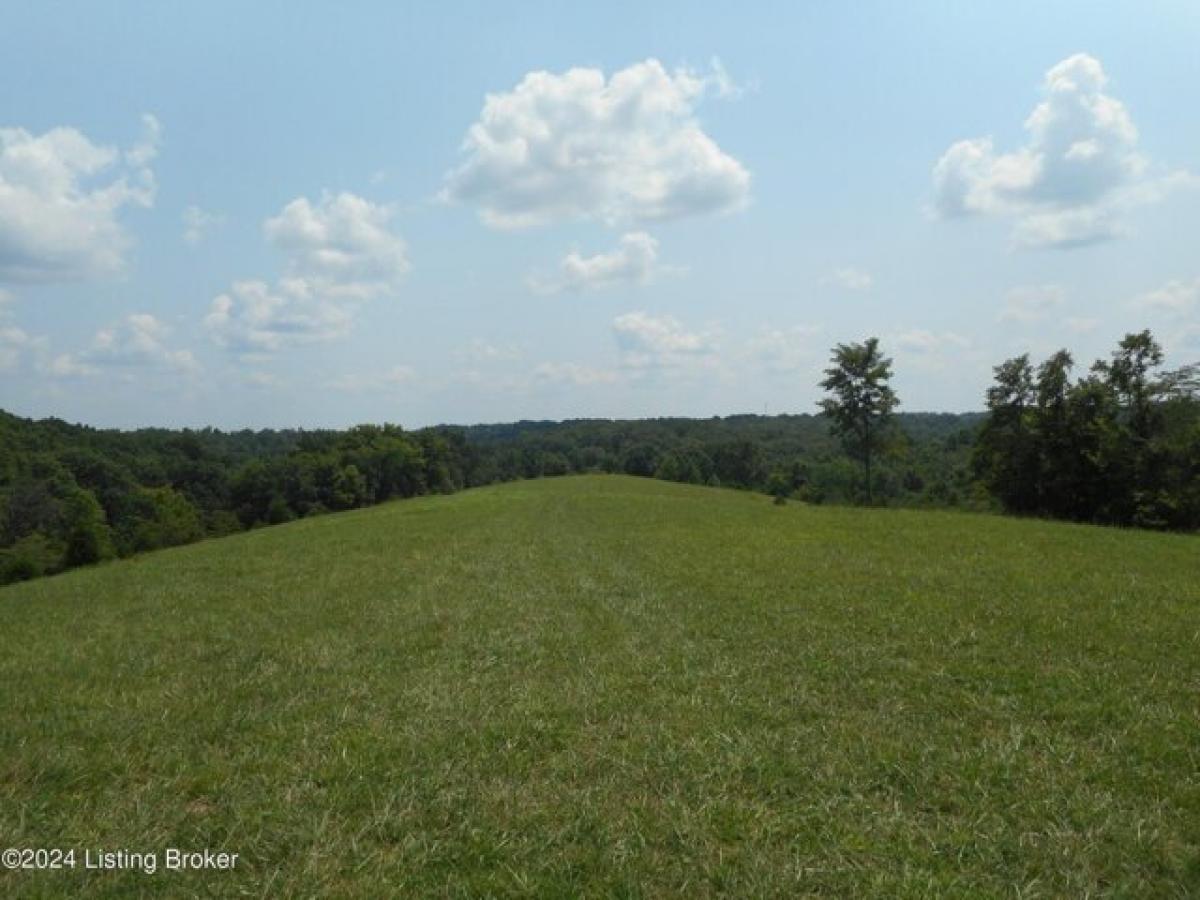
(254, 319)
(60, 197)
(337, 253)
(783, 350)
(342, 247)
(1030, 303)
(851, 279)
(579, 146)
(197, 223)
(144, 152)
(659, 342)
(931, 351)
(1175, 297)
(1077, 171)
(14, 345)
(140, 341)
(67, 365)
(634, 261)
(18, 348)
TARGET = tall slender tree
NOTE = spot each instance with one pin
(861, 402)
(1005, 456)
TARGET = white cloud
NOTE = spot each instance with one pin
(1077, 171)
(60, 196)
(144, 152)
(578, 146)
(66, 365)
(342, 247)
(17, 347)
(1030, 303)
(783, 350)
(337, 252)
(14, 343)
(254, 319)
(723, 84)
(931, 351)
(634, 261)
(572, 374)
(140, 341)
(543, 375)
(396, 377)
(1176, 297)
(921, 341)
(659, 342)
(851, 279)
(197, 222)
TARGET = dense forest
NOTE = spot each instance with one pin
(1119, 445)
(71, 494)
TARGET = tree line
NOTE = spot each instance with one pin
(71, 495)
(1118, 445)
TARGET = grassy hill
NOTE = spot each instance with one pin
(613, 686)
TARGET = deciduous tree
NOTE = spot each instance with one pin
(861, 402)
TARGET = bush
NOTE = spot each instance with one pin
(31, 557)
(88, 538)
(221, 522)
(278, 511)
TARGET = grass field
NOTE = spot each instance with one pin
(618, 687)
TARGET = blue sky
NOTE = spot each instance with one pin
(312, 214)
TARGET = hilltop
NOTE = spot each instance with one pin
(611, 685)
(71, 495)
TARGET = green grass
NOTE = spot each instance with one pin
(606, 686)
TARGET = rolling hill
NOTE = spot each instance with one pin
(605, 685)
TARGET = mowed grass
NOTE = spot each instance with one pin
(605, 686)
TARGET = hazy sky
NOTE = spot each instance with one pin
(312, 214)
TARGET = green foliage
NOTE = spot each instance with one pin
(32, 556)
(740, 463)
(640, 459)
(159, 488)
(87, 536)
(348, 488)
(861, 402)
(278, 511)
(221, 522)
(1117, 446)
(779, 486)
(688, 463)
(163, 518)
